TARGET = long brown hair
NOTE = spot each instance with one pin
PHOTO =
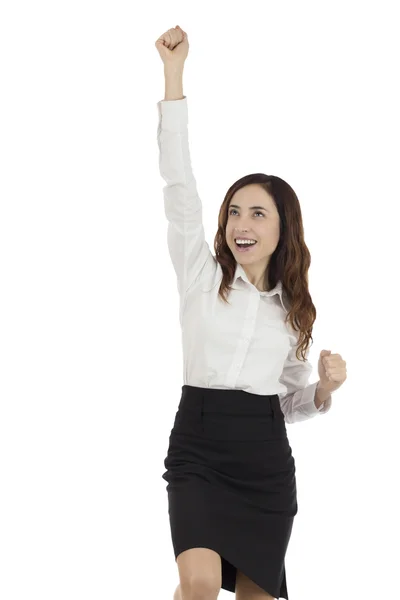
(290, 261)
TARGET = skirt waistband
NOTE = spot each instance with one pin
(228, 401)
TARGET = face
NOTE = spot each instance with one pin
(252, 214)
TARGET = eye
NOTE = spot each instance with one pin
(256, 213)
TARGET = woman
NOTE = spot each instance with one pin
(246, 317)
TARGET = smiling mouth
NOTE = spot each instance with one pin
(244, 247)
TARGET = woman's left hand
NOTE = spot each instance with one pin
(331, 370)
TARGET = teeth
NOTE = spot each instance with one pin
(248, 242)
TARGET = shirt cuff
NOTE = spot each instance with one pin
(173, 114)
(309, 394)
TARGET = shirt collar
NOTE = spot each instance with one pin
(240, 273)
(239, 279)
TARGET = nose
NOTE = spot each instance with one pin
(241, 224)
(241, 228)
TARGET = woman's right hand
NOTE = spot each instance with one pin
(173, 47)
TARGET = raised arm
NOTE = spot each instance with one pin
(185, 237)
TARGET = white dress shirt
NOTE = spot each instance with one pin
(245, 345)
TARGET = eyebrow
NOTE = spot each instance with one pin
(251, 207)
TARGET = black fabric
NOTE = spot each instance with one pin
(231, 483)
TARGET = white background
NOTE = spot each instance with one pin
(91, 362)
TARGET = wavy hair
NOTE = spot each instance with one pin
(290, 261)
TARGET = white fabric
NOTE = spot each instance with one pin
(244, 345)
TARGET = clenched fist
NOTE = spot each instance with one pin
(173, 47)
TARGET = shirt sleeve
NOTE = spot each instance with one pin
(187, 246)
(297, 403)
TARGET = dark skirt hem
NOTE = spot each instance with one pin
(229, 568)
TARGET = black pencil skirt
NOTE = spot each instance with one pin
(231, 483)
